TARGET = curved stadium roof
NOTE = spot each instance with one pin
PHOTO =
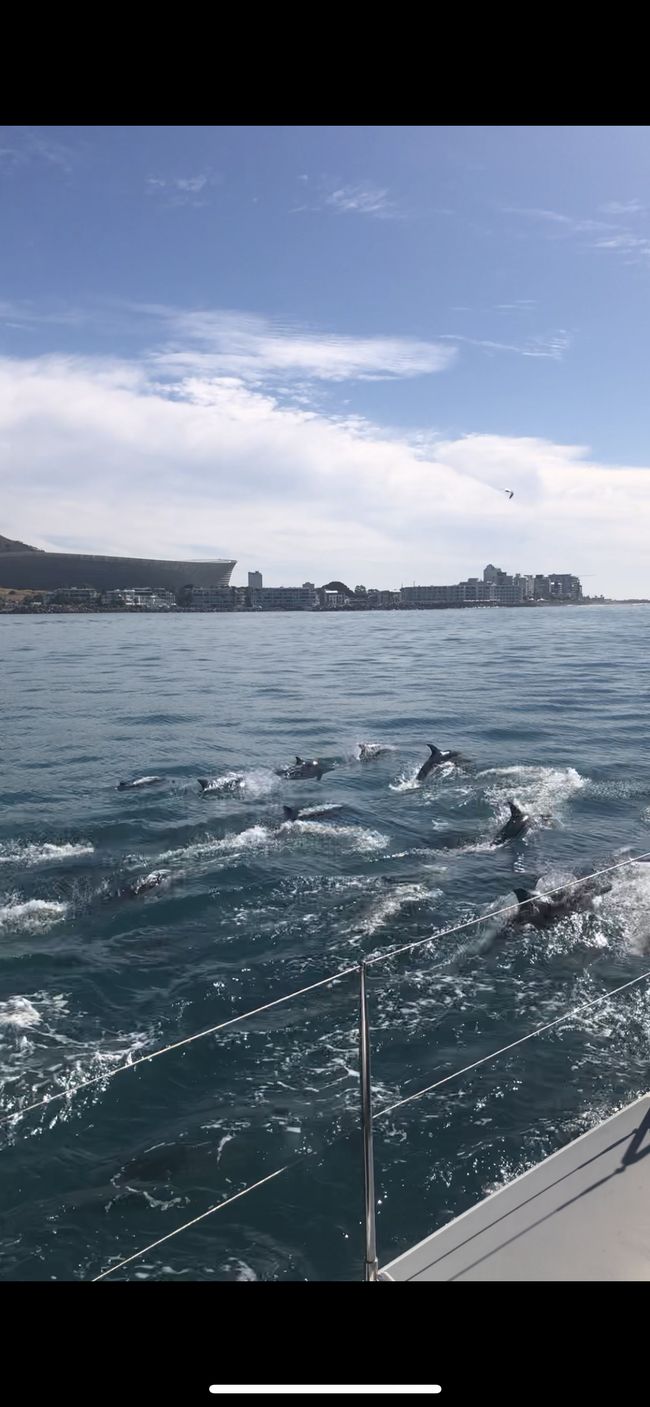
(49, 571)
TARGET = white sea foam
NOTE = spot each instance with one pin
(41, 1054)
(627, 907)
(357, 837)
(329, 809)
(252, 839)
(238, 1269)
(259, 837)
(19, 1012)
(138, 782)
(32, 853)
(537, 789)
(391, 903)
(30, 915)
(408, 778)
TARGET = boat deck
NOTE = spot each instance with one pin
(582, 1214)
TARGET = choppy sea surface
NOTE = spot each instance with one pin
(550, 707)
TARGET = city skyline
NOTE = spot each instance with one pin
(97, 583)
(329, 349)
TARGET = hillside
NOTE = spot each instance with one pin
(8, 545)
(337, 586)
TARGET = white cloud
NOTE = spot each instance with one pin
(98, 455)
(623, 207)
(220, 343)
(181, 190)
(552, 345)
(566, 224)
(23, 145)
(604, 235)
(625, 243)
(520, 305)
(361, 198)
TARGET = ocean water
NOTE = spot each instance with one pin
(550, 707)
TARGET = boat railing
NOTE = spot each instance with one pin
(368, 1118)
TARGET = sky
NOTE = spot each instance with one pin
(326, 351)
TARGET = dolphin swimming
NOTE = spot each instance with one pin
(435, 760)
(222, 785)
(157, 879)
(310, 813)
(367, 751)
(517, 824)
(138, 782)
(300, 770)
(543, 910)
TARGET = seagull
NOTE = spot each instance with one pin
(510, 492)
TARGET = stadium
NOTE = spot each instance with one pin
(25, 567)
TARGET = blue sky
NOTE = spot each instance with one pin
(323, 350)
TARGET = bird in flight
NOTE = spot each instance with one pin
(510, 492)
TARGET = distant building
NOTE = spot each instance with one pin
(564, 587)
(288, 598)
(54, 571)
(143, 598)
(497, 588)
(255, 585)
(74, 596)
(213, 598)
(383, 600)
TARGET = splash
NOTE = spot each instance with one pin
(17, 853)
(252, 839)
(408, 780)
(357, 837)
(19, 1012)
(391, 904)
(626, 908)
(30, 915)
(537, 789)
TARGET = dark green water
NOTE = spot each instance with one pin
(550, 706)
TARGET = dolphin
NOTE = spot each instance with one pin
(294, 813)
(223, 786)
(301, 771)
(542, 910)
(435, 760)
(138, 782)
(157, 879)
(516, 826)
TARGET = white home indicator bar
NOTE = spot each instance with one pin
(328, 1389)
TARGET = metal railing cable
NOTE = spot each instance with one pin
(371, 1267)
(175, 1045)
(539, 1030)
(496, 913)
(137, 1255)
(15, 1114)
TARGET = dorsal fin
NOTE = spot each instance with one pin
(203, 783)
(298, 760)
(290, 813)
(525, 895)
(515, 811)
(433, 749)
